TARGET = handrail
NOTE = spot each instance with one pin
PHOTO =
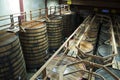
(29, 15)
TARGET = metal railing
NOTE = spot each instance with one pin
(11, 20)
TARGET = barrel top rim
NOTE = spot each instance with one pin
(36, 26)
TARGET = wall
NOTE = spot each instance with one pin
(9, 7)
(52, 3)
(12, 6)
(33, 4)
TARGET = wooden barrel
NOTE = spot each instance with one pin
(107, 75)
(12, 64)
(69, 23)
(54, 29)
(34, 44)
(53, 70)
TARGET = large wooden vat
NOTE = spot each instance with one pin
(54, 29)
(12, 64)
(69, 23)
(34, 44)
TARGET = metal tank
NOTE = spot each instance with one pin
(34, 44)
(12, 64)
(54, 29)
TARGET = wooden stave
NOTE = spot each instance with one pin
(17, 51)
(55, 41)
(55, 37)
(26, 34)
(40, 33)
(35, 30)
(42, 59)
(55, 31)
(37, 47)
(13, 60)
(54, 45)
(33, 38)
(54, 34)
(54, 21)
(17, 68)
(11, 40)
(37, 58)
(54, 28)
(23, 76)
(34, 41)
(7, 48)
(36, 65)
(35, 55)
(37, 51)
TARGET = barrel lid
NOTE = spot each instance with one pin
(106, 75)
(105, 36)
(36, 26)
(86, 46)
(7, 38)
(105, 50)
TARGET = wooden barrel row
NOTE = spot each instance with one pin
(34, 44)
(12, 64)
(54, 29)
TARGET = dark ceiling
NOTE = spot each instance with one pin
(98, 3)
(90, 4)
